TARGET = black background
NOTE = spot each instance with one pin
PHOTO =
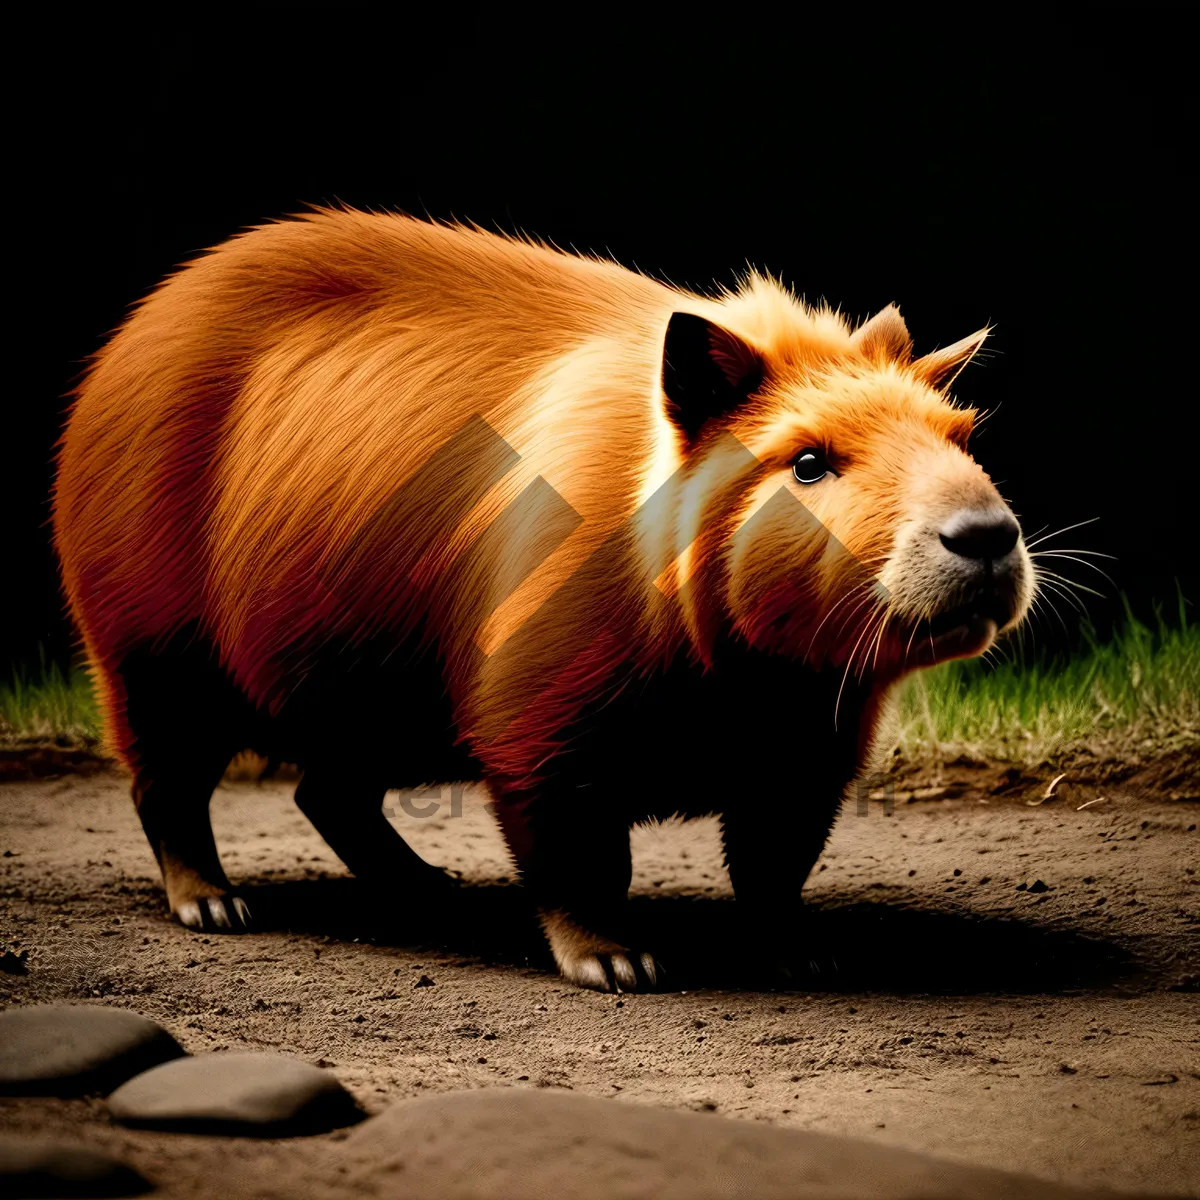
(1017, 166)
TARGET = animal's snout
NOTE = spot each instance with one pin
(987, 534)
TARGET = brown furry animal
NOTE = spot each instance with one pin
(363, 489)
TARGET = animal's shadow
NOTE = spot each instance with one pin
(703, 943)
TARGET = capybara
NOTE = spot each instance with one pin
(407, 503)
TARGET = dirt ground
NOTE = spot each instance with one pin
(1014, 984)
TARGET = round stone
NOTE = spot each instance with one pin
(74, 1049)
(37, 1168)
(519, 1142)
(264, 1094)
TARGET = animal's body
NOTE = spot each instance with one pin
(407, 503)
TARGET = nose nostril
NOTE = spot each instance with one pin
(983, 535)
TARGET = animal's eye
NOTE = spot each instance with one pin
(811, 466)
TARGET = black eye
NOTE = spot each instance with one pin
(811, 466)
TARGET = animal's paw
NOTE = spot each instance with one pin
(616, 971)
(782, 948)
(215, 914)
(802, 969)
(594, 961)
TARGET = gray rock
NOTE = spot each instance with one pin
(71, 1050)
(268, 1095)
(550, 1143)
(35, 1168)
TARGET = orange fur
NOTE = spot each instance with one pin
(257, 412)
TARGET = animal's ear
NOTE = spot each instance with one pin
(885, 336)
(707, 372)
(940, 368)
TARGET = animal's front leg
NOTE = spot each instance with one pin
(574, 857)
(770, 853)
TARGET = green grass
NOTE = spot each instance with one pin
(1140, 689)
(49, 704)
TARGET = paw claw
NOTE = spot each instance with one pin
(589, 972)
(797, 972)
(221, 914)
(216, 910)
(650, 969)
(624, 976)
(617, 972)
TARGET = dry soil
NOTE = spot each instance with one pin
(1004, 983)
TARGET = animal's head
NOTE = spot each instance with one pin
(832, 508)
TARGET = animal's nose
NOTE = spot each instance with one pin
(980, 533)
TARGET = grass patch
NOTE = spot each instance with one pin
(49, 704)
(1139, 690)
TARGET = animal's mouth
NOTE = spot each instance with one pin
(963, 631)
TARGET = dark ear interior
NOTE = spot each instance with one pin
(707, 372)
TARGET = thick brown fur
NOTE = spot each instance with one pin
(362, 488)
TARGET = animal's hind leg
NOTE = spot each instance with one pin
(181, 717)
(347, 811)
(175, 816)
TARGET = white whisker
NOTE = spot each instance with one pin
(845, 675)
(857, 587)
(1053, 608)
(1081, 561)
(1071, 584)
(1073, 550)
(1059, 532)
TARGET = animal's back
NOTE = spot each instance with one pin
(260, 410)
